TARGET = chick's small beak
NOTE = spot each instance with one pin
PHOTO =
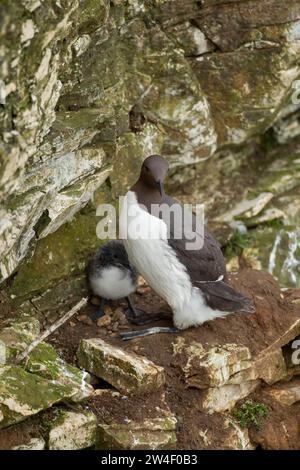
(160, 187)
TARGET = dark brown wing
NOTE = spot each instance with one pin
(207, 270)
(205, 267)
(205, 264)
(221, 296)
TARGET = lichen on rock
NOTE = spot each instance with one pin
(87, 91)
(17, 337)
(72, 430)
(23, 394)
(44, 361)
(128, 372)
(169, 80)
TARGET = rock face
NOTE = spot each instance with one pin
(288, 393)
(129, 373)
(72, 431)
(42, 380)
(23, 394)
(34, 444)
(44, 361)
(229, 384)
(214, 368)
(87, 89)
(147, 423)
(152, 434)
(16, 337)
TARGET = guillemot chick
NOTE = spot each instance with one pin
(111, 277)
(192, 281)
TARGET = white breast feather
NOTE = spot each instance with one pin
(113, 283)
(158, 264)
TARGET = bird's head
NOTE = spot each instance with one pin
(154, 171)
(114, 254)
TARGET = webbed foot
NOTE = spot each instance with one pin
(100, 312)
(128, 335)
(137, 316)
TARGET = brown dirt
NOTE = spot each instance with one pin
(66, 339)
(19, 434)
(119, 408)
(274, 314)
(6, 310)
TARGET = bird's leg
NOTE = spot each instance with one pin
(100, 312)
(128, 335)
(139, 317)
(134, 315)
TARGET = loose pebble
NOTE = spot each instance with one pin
(95, 300)
(104, 321)
(108, 310)
(102, 331)
(119, 314)
(85, 319)
(115, 327)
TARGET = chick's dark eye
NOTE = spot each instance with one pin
(147, 168)
(115, 256)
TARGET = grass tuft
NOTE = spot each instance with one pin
(251, 413)
(236, 244)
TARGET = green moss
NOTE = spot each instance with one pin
(23, 394)
(93, 14)
(268, 140)
(251, 414)
(61, 254)
(130, 150)
(44, 361)
(236, 244)
(16, 337)
(275, 224)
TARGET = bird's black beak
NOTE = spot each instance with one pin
(160, 187)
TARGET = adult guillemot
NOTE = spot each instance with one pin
(111, 277)
(194, 281)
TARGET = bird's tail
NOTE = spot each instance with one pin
(213, 300)
(195, 311)
(222, 296)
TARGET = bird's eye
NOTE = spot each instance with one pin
(147, 168)
(115, 256)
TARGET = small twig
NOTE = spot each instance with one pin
(50, 330)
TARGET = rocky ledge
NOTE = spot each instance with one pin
(230, 384)
(89, 88)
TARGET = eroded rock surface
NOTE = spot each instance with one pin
(23, 394)
(147, 421)
(164, 391)
(127, 372)
(170, 80)
(72, 430)
(44, 361)
(178, 77)
(17, 337)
